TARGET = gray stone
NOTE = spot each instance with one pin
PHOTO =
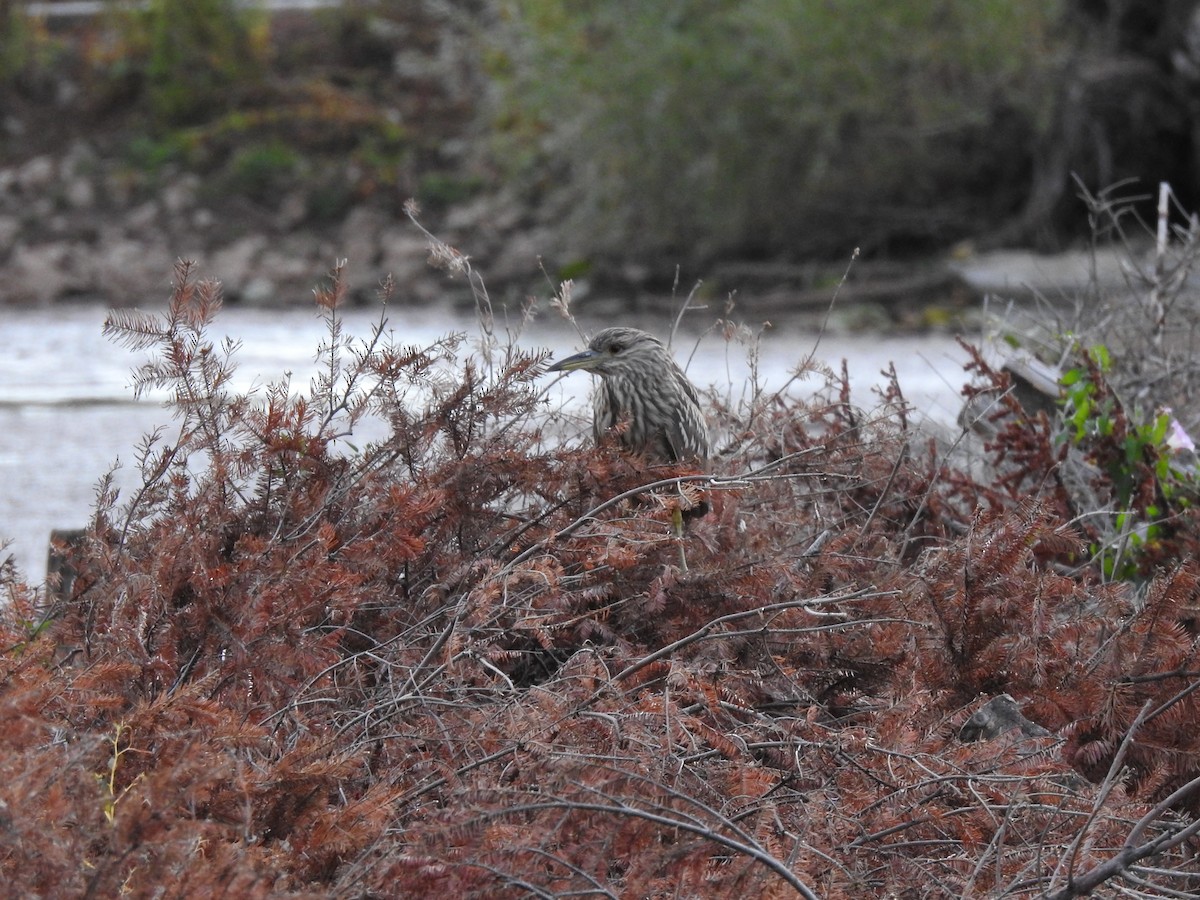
(119, 187)
(518, 258)
(360, 237)
(233, 263)
(293, 265)
(10, 227)
(471, 215)
(38, 208)
(180, 194)
(80, 159)
(293, 210)
(1020, 272)
(58, 224)
(442, 66)
(80, 192)
(404, 254)
(36, 174)
(260, 291)
(142, 218)
(999, 715)
(66, 93)
(38, 273)
(127, 271)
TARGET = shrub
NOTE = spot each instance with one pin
(261, 171)
(198, 53)
(16, 43)
(1116, 456)
(450, 661)
(692, 128)
(31, 58)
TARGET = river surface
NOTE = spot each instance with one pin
(68, 415)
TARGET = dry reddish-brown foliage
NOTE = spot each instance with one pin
(445, 665)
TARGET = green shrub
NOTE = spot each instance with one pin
(262, 171)
(151, 154)
(15, 43)
(445, 189)
(199, 51)
(189, 60)
(702, 126)
(29, 55)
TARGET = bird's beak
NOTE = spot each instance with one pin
(588, 359)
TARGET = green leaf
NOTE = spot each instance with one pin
(1159, 430)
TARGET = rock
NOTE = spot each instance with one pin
(66, 93)
(293, 266)
(360, 237)
(471, 216)
(260, 291)
(128, 271)
(1035, 386)
(519, 257)
(80, 159)
(404, 254)
(233, 263)
(80, 192)
(999, 715)
(142, 218)
(293, 210)
(180, 194)
(1020, 272)
(38, 273)
(36, 175)
(77, 170)
(119, 187)
(439, 64)
(10, 227)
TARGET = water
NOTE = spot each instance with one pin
(67, 412)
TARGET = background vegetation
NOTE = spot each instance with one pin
(261, 106)
(699, 127)
(681, 130)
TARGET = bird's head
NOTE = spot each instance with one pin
(613, 351)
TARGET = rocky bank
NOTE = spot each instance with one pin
(80, 220)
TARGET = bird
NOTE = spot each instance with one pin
(643, 386)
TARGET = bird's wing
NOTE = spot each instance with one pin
(689, 432)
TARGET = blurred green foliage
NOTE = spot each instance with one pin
(28, 52)
(15, 42)
(202, 87)
(262, 171)
(197, 54)
(699, 127)
(151, 154)
(440, 189)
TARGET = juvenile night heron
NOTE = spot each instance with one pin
(641, 384)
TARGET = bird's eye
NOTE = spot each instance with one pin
(614, 349)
